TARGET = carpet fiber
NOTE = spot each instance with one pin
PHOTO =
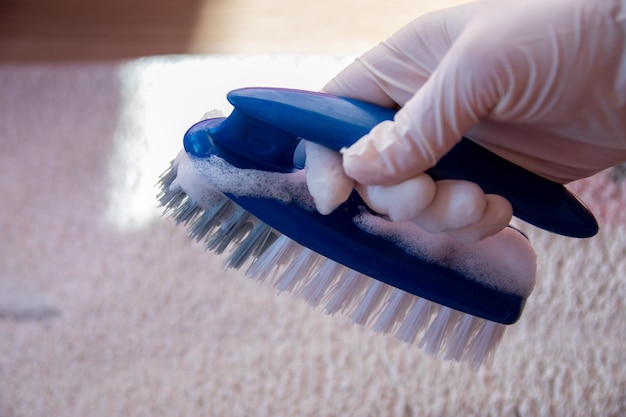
(108, 310)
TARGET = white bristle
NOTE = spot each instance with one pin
(436, 333)
(347, 289)
(252, 245)
(458, 340)
(374, 296)
(231, 229)
(291, 267)
(186, 212)
(316, 288)
(209, 219)
(416, 319)
(481, 348)
(394, 311)
(277, 255)
(298, 271)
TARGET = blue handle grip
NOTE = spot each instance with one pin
(267, 123)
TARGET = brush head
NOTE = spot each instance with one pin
(240, 189)
(466, 277)
(454, 305)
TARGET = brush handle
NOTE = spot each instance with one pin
(337, 122)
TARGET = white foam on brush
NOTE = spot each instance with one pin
(201, 178)
(505, 261)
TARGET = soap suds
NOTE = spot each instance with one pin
(505, 261)
(201, 178)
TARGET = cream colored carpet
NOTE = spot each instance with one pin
(108, 310)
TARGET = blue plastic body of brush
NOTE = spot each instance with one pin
(263, 132)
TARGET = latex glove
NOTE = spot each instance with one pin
(541, 83)
(326, 180)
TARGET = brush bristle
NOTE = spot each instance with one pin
(275, 259)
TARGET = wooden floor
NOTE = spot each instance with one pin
(44, 30)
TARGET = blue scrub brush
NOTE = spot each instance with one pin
(239, 186)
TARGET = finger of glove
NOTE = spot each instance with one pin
(456, 204)
(459, 93)
(497, 215)
(408, 199)
(327, 183)
(402, 201)
(493, 70)
(509, 63)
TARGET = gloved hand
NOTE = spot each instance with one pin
(541, 83)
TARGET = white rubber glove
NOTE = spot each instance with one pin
(325, 178)
(541, 83)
